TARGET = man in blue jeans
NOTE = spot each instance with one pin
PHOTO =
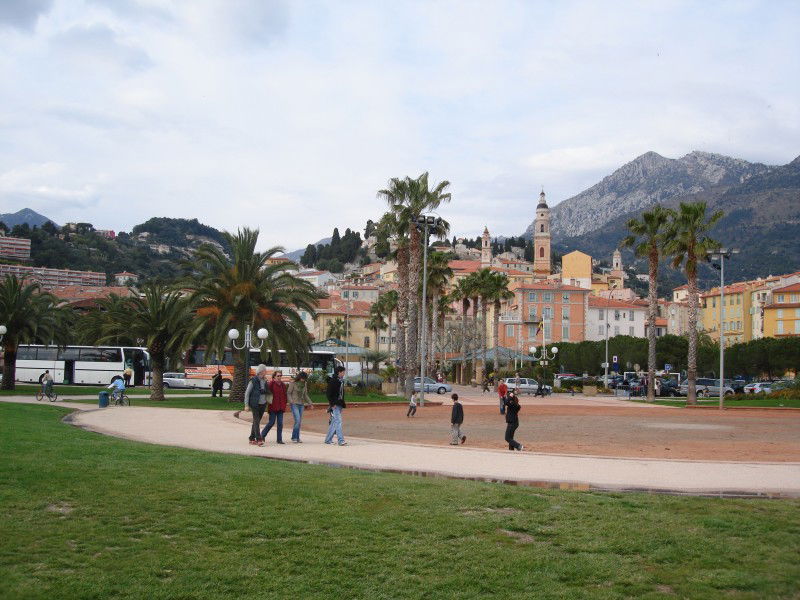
(336, 405)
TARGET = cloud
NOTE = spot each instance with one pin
(97, 43)
(23, 14)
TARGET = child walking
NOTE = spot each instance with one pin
(456, 419)
(412, 405)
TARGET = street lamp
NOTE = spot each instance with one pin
(424, 222)
(721, 254)
(543, 358)
(248, 344)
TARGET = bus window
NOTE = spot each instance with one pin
(68, 354)
(49, 353)
(26, 353)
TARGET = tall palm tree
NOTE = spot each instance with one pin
(497, 293)
(388, 304)
(246, 290)
(463, 292)
(407, 199)
(484, 282)
(688, 243)
(376, 323)
(30, 315)
(337, 329)
(444, 310)
(647, 240)
(160, 316)
(475, 287)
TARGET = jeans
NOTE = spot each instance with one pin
(512, 443)
(273, 416)
(412, 410)
(455, 430)
(297, 413)
(258, 412)
(502, 405)
(335, 426)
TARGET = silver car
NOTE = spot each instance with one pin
(177, 380)
(431, 385)
(526, 386)
(707, 388)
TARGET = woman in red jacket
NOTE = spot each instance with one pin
(276, 409)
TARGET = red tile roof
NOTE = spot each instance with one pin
(80, 292)
(794, 287)
(596, 302)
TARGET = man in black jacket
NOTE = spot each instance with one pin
(456, 419)
(512, 421)
(336, 404)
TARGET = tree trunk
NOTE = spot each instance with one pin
(402, 316)
(652, 299)
(9, 366)
(464, 342)
(691, 370)
(157, 384)
(434, 331)
(477, 340)
(389, 341)
(414, 278)
(496, 335)
(484, 316)
(240, 377)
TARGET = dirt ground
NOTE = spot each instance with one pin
(603, 431)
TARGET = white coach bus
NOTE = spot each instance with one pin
(82, 364)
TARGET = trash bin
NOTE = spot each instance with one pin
(103, 399)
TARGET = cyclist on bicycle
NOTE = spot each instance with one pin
(47, 383)
(118, 386)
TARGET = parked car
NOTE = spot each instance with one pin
(527, 386)
(431, 385)
(177, 380)
(670, 387)
(707, 387)
(758, 387)
(784, 384)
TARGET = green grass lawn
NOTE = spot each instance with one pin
(750, 400)
(88, 516)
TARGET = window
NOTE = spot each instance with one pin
(541, 252)
(631, 316)
(547, 297)
(547, 331)
(366, 325)
(47, 353)
(532, 297)
(780, 313)
(565, 297)
(738, 299)
(532, 331)
(602, 314)
(600, 330)
(714, 302)
(509, 331)
(565, 332)
(780, 327)
(541, 228)
(68, 354)
(565, 314)
(547, 312)
(616, 315)
(797, 326)
(794, 297)
(366, 341)
(630, 331)
(616, 330)
(26, 353)
(345, 294)
(797, 313)
(779, 298)
(532, 311)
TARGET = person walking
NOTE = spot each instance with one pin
(456, 420)
(216, 384)
(127, 374)
(502, 390)
(412, 405)
(277, 407)
(512, 421)
(257, 399)
(298, 400)
(336, 405)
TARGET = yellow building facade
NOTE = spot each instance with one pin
(737, 324)
(782, 314)
(576, 269)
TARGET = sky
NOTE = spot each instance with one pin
(290, 116)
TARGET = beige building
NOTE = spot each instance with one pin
(576, 269)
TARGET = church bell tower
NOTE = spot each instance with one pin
(541, 238)
(486, 249)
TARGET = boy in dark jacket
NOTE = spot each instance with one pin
(512, 421)
(456, 419)
(336, 404)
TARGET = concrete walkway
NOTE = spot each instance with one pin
(221, 431)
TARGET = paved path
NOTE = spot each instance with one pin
(468, 395)
(221, 431)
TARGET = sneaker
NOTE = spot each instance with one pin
(463, 439)
(280, 441)
(261, 443)
(329, 443)
(521, 447)
(343, 444)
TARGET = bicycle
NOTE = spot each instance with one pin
(120, 399)
(50, 395)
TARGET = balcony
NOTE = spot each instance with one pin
(509, 317)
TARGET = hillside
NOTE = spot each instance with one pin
(645, 181)
(761, 219)
(26, 216)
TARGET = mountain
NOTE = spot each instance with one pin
(761, 219)
(24, 216)
(645, 181)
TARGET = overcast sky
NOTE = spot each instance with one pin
(290, 115)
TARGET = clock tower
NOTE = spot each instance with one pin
(541, 238)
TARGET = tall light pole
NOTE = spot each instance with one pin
(346, 338)
(605, 383)
(249, 344)
(543, 358)
(425, 222)
(722, 254)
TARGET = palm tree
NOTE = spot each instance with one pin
(388, 304)
(375, 358)
(688, 243)
(497, 292)
(245, 290)
(376, 323)
(484, 282)
(160, 316)
(647, 239)
(337, 329)
(464, 292)
(30, 315)
(439, 274)
(407, 199)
